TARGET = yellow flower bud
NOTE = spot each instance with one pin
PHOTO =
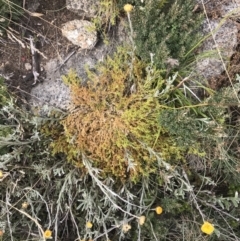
(141, 220)
(1, 174)
(126, 227)
(89, 225)
(128, 8)
(158, 210)
(207, 228)
(25, 205)
(48, 234)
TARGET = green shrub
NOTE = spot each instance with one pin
(167, 31)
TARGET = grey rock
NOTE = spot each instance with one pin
(80, 33)
(52, 92)
(231, 7)
(226, 7)
(224, 39)
(87, 8)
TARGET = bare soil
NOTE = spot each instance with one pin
(46, 29)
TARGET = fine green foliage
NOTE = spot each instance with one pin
(166, 31)
(4, 96)
(5, 130)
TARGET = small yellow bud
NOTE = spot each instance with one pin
(207, 228)
(128, 8)
(141, 220)
(48, 234)
(89, 225)
(126, 227)
(1, 174)
(158, 210)
(25, 205)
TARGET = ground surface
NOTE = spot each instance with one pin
(13, 57)
(46, 28)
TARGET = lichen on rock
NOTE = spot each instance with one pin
(81, 33)
(88, 8)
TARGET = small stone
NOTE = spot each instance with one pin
(28, 66)
(81, 33)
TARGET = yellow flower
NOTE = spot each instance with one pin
(48, 234)
(158, 210)
(141, 220)
(1, 174)
(89, 225)
(207, 228)
(1, 233)
(25, 205)
(126, 227)
(128, 8)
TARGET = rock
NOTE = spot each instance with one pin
(210, 64)
(52, 92)
(223, 7)
(87, 8)
(28, 66)
(80, 33)
(231, 7)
